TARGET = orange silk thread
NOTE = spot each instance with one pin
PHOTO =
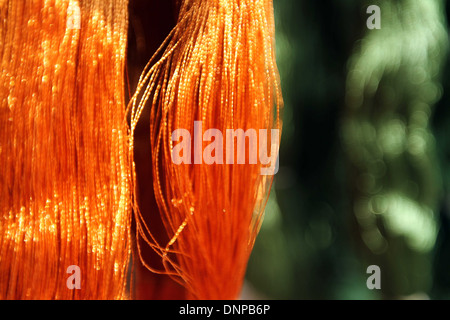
(64, 168)
(217, 66)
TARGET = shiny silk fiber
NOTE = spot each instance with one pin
(64, 170)
(68, 186)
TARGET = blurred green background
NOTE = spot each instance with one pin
(365, 155)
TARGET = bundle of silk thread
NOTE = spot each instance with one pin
(65, 176)
(218, 67)
(68, 180)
